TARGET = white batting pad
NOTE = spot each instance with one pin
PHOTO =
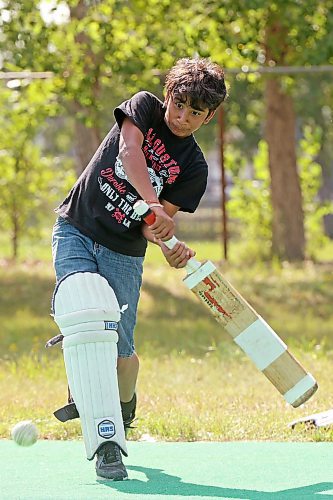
(261, 343)
(87, 312)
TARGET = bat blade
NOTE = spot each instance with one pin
(251, 332)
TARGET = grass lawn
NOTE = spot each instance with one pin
(195, 384)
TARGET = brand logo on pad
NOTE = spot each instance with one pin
(106, 429)
(111, 325)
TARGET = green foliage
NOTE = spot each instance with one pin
(102, 51)
(244, 111)
(250, 205)
(250, 201)
(307, 31)
(24, 40)
(27, 184)
(310, 174)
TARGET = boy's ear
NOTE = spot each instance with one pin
(210, 116)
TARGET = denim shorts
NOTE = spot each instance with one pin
(74, 252)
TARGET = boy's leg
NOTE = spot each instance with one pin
(128, 369)
(83, 254)
(124, 274)
(75, 253)
(87, 312)
(128, 413)
(71, 250)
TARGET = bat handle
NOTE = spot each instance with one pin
(142, 209)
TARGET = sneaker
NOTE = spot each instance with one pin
(109, 464)
(128, 413)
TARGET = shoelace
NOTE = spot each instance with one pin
(112, 455)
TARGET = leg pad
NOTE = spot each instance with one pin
(87, 312)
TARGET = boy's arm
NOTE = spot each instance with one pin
(134, 163)
(181, 253)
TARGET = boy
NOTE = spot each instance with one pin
(149, 154)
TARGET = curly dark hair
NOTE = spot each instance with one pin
(198, 80)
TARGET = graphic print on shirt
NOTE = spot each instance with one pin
(156, 181)
(155, 152)
(115, 185)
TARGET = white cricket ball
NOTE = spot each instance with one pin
(25, 433)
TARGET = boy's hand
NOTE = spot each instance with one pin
(178, 256)
(164, 225)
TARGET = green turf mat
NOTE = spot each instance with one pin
(200, 470)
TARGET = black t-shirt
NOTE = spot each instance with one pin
(100, 203)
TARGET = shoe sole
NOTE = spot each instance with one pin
(101, 478)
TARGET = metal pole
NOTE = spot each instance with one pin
(223, 181)
(12, 75)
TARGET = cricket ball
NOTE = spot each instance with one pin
(24, 433)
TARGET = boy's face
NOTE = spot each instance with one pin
(181, 118)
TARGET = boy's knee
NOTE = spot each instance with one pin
(128, 364)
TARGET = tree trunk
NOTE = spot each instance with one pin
(288, 219)
(87, 139)
(15, 233)
(288, 240)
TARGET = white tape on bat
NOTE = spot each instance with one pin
(199, 274)
(304, 385)
(261, 343)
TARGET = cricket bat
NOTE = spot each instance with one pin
(249, 330)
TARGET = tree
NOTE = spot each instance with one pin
(264, 35)
(102, 51)
(288, 240)
(27, 174)
(111, 49)
(296, 39)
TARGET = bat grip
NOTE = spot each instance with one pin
(142, 209)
